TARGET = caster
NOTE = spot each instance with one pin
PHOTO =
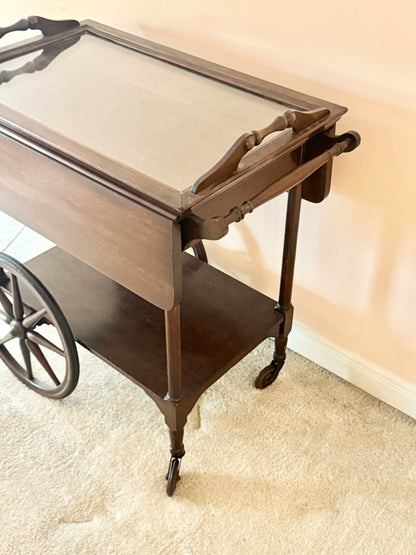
(35, 335)
(268, 374)
(173, 475)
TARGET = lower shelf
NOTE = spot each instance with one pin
(222, 320)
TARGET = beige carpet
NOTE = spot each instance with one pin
(309, 465)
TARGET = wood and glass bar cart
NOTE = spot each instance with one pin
(127, 155)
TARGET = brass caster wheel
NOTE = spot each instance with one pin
(36, 342)
(173, 475)
(268, 375)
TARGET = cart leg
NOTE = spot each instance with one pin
(174, 417)
(270, 373)
(200, 252)
(177, 448)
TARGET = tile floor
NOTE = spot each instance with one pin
(19, 241)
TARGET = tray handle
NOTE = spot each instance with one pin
(195, 228)
(228, 164)
(47, 27)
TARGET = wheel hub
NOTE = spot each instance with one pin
(16, 327)
(16, 330)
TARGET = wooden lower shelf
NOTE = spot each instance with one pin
(222, 320)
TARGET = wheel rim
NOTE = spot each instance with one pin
(36, 342)
(266, 376)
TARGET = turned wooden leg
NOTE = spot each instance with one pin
(177, 448)
(284, 305)
(279, 355)
(173, 353)
(174, 417)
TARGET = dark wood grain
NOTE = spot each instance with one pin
(229, 163)
(316, 187)
(260, 175)
(110, 173)
(173, 353)
(125, 179)
(135, 246)
(121, 231)
(222, 320)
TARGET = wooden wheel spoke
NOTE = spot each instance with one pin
(9, 335)
(26, 357)
(6, 304)
(32, 319)
(17, 299)
(40, 340)
(41, 358)
(25, 305)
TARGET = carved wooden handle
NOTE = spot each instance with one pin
(46, 26)
(195, 228)
(303, 171)
(229, 162)
(286, 182)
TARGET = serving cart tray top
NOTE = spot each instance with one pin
(151, 120)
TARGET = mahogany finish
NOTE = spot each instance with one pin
(119, 237)
(167, 320)
(133, 182)
(129, 333)
(229, 163)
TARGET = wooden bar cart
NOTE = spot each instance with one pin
(125, 154)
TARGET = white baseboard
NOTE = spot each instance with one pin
(373, 379)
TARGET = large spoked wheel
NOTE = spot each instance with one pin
(36, 342)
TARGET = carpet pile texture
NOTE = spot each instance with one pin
(309, 465)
